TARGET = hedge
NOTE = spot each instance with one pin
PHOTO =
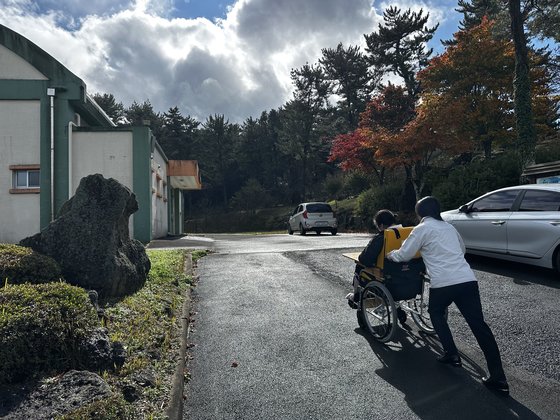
(20, 264)
(41, 329)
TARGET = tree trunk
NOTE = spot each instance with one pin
(408, 198)
(526, 137)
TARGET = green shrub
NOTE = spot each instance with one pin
(20, 264)
(356, 182)
(466, 182)
(549, 152)
(377, 198)
(41, 328)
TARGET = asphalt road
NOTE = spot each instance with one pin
(273, 338)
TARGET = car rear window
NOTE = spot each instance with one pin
(540, 201)
(319, 208)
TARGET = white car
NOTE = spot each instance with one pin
(314, 216)
(520, 223)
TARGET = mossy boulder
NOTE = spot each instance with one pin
(19, 264)
(43, 328)
(91, 242)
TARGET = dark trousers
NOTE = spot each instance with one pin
(467, 298)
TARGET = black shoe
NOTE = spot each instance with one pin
(450, 359)
(401, 315)
(500, 386)
(352, 304)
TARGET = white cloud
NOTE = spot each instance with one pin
(238, 66)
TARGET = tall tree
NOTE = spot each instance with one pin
(399, 45)
(144, 114)
(473, 77)
(114, 109)
(526, 137)
(385, 116)
(348, 71)
(299, 137)
(475, 10)
(215, 149)
(544, 19)
(178, 134)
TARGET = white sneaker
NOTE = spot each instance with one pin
(350, 296)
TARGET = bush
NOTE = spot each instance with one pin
(41, 328)
(20, 264)
(250, 197)
(356, 182)
(377, 198)
(466, 182)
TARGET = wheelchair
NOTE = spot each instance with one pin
(390, 286)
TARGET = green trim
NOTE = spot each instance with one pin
(141, 181)
(37, 57)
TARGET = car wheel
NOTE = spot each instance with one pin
(333, 232)
(557, 261)
(290, 231)
(302, 230)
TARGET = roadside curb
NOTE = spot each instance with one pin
(176, 401)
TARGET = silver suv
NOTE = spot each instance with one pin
(317, 217)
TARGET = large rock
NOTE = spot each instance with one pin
(61, 395)
(90, 239)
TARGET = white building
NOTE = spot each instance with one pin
(52, 133)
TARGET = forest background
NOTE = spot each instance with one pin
(459, 124)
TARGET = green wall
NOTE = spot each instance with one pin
(142, 146)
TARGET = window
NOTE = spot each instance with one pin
(319, 208)
(25, 179)
(540, 201)
(500, 201)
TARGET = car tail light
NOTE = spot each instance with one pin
(305, 214)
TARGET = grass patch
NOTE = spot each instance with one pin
(148, 325)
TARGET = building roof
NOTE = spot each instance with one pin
(59, 77)
(184, 174)
(542, 169)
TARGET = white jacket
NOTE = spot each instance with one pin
(442, 250)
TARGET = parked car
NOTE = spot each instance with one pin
(520, 223)
(318, 217)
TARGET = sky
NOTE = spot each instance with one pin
(207, 57)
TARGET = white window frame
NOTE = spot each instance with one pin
(26, 170)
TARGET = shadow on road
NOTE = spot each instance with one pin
(435, 391)
(520, 273)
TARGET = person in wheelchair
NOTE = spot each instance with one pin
(383, 219)
(451, 281)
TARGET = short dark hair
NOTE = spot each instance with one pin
(384, 217)
(428, 207)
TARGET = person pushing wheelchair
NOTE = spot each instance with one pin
(451, 281)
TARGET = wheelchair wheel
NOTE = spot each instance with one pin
(378, 312)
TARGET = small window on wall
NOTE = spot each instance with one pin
(25, 179)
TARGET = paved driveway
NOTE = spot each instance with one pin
(272, 337)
